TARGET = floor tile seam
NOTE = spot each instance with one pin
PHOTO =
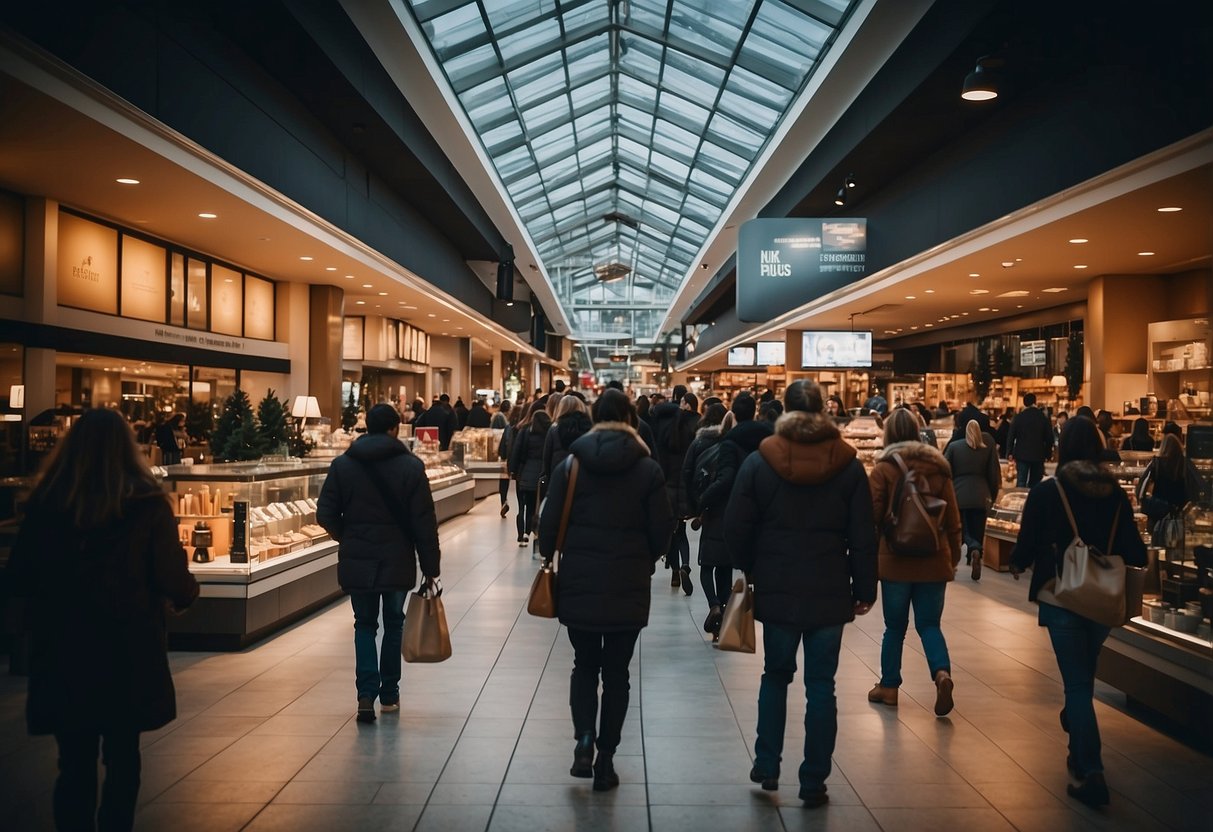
(510, 563)
(648, 798)
(526, 716)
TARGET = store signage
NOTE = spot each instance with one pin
(227, 300)
(205, 340)
(785, 263)
(88, 265)
(258, 308)
(351, 340)
(143, 280)
(1032, 353)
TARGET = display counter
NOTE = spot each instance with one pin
(475, 449)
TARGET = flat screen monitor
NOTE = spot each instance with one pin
(836, 350)
(771, 353)
(741, 357)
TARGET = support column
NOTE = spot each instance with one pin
(325, 322)
(39, 377)
(498, 376)
(294, 328)
(41, 298)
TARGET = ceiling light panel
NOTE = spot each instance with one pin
(620, 131)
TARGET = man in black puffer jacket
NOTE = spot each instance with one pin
(376, 503)
(799, 523)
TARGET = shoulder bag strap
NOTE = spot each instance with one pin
(1065, 503)
(573, 466)
(1112, 534)
(895, 497)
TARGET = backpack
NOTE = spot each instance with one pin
(714, 466)
(911, 524)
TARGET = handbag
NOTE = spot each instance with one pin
(1091, 583)
(426, 637)
(541, 602)
(737, 628)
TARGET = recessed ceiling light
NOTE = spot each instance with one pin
(207, 215)
(909, 297)
(349, 277)
(913, 327)
(410, 307)
(446, 320)
(1057, 289)
(1017, 293)
(227, 280)
(330, 268)
(127, 181)
(974, 274)
(930, 291)
(1080, 266)
(383, 294)
(1170, 209)
(430, 315)
(1019, 306)
(1006, 264)
(954, 316)
(928, 324)
(979, 291)
(1080, 240)
(400, 302)
(1145, 254)
(360, 302)
(306, 258)
(984, 309)
(995, 309)
(964, 314)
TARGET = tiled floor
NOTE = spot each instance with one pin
(266, 738)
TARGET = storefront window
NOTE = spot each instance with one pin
(227, 301)
(197, 296)
(176, 314)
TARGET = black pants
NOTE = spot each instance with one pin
(608, 654)
(76, 787)
(503, 489)
(717, 584)
(973, 521)
(527, 500)
(680, 547)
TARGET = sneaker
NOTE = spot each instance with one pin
(814, 797)
(675, 578)
(711, 624)
(883, 695)
(1093, 791)
(522, 541)
(366, 710)
(769, 782)
(943, 693)
(505, 509)
(687, 586)
(389, 706)
(975, 574)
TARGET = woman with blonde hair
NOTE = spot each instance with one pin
(976, 475)
(914, 580)
(98, 560)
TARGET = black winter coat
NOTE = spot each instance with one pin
(619, 527)
(1095, 496)
(967, 414)
(96, 603)
(673, 431)
(561, 436)
(442, 417)
(526, 458)
(746, 437)
(976, 474)
(1030, 438)
(799, 523)
(478, 417)
(375, 553)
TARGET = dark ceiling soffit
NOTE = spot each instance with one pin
(721, 284)
(65, 339)
(336, 36)
(1011, 324)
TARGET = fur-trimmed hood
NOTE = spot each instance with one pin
(610, 448)
(920, 453)
(708, 432)
(806, 449)
(1089, 479)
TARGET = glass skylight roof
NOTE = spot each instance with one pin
(622, 128)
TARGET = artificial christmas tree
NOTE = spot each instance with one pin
(349, 413)
(271, 423)
(1074, 363)
(236, 437)
(980, 373)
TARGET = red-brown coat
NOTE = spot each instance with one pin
(933, 470)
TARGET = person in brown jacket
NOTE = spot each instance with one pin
(906, 580)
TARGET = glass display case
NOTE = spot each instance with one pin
(239, 518)
(865, 435)
(1002, 528)
(476, 450)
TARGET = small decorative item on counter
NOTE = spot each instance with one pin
(202, 542)
(240, 531)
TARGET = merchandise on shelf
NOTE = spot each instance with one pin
(476, 444)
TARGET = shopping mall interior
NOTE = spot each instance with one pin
(291, 210)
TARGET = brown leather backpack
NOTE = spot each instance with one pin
(913, 519)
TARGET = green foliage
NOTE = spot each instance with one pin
(199, 420)
(1074, 363)
(349, 413)
(980, 372)
(236, 436)
(1002, 360)
(271, 422)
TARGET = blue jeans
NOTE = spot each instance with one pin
(1077, 642)
(896, 597)
(378, 675)
(1027, 474)
(779, 647)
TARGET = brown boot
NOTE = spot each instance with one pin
(943, 693)
(883, 695)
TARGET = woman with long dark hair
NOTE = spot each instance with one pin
(98, 559)
(526, 467)
(1168, 484)
(619, 526)
(1140, 439)
(1104, 519)
(674, 424)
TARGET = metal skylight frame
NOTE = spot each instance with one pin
(650, 112)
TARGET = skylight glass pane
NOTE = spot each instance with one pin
(450, 33)
(678, 141)
(472, 63)
(589, 13)
(537, 78)
(691, 79)
(684, 112)
(492, 102)
(588, 58)
(544, 33)
(543, 116)
(591, 94)
(712, 31)
(646, 16)
(734, 132)
(509, 14)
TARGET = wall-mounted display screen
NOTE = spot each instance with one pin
(1032, 353)
(827, 350)
(772, 353)
(742, 357)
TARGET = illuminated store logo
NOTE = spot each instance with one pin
(85, 271)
